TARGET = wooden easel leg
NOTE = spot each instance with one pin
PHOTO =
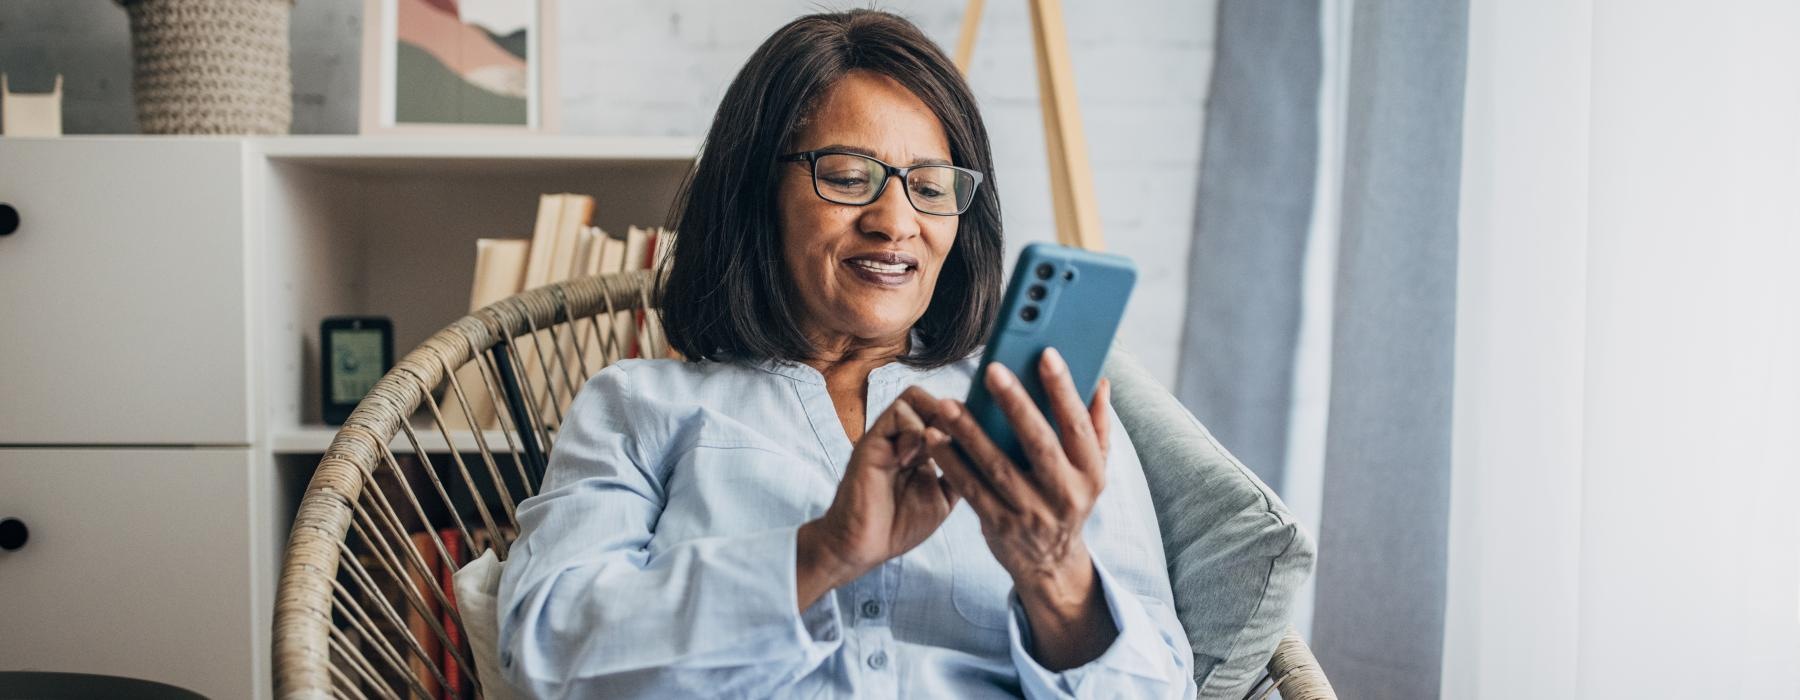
(1071, 182)
(965, 42)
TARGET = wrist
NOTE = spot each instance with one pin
(820, 556)
(1064, 592)
(1067, 611)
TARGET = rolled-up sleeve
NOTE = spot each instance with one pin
(586, 610)
(1148, 659)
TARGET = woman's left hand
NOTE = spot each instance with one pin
(1033, 518)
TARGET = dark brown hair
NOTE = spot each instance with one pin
(726, 293)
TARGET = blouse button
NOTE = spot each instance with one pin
(878, 660)
(871, 608)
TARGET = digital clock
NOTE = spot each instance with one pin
(354, 352)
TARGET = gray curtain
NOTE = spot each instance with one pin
(1378, 625)
(1260, 152)
(1379, 610)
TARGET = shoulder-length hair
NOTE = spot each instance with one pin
(726, 293)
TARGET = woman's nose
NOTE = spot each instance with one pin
(891, 215)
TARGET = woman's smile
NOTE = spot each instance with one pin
(884, 269)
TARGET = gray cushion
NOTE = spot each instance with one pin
(1236, 556)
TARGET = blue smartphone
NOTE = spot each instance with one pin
(1062, 297)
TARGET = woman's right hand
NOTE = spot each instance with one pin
(890, 500)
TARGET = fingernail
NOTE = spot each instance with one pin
(1055, 360)
(950, 408)
(1001, 376)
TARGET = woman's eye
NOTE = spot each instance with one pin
(930, 192)
(847, 182)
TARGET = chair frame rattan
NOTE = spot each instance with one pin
(315, 657)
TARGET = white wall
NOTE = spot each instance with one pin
(658, 68)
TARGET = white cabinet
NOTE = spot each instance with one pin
(136, 566)
(123, 312)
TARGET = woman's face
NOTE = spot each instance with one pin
(834, 252)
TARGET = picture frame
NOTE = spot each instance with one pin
(459, 66)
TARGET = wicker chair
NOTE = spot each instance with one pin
(326, 600)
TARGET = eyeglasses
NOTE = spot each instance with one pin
(857, 180)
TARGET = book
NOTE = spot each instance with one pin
(499, 269)
(499, 273)
(570, 364)
(612, 260)
(540, 269)
(544, 241)
(453, 671)
(553, 248)
(577, 217)
(569, 359)
(637, 251)
(665, 245)
(417, 621)
(647, 343)
(592, 335)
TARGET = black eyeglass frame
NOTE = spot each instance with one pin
(811, 158)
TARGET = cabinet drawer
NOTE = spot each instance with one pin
(122, 294)
(138, 564)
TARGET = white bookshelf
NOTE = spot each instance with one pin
(387, 226)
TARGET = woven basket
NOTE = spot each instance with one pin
(211, 66)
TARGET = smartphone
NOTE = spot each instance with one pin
(1062, 297)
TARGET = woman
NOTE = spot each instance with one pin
(737, 526)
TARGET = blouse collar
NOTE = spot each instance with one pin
(802, 372)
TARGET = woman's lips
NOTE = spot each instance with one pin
(881, 275)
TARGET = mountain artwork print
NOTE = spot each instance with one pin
(462, 61)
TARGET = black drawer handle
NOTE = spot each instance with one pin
(9, 219)
(13, 534)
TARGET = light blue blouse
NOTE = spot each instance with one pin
(659, 558)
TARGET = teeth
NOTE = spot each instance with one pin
(882, 268)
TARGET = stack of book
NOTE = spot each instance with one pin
(564, 245)
(404, 654)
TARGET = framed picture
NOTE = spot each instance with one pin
(459, 66)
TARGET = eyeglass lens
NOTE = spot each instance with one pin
(853, 179)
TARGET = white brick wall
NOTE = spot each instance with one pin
(658, 67)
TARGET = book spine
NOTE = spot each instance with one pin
(417, 622)
(645, 342)
(453, 672)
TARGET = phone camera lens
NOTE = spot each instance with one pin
(1068, 275)
(1045, 270)
(1028, 313)
(1036, 292)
